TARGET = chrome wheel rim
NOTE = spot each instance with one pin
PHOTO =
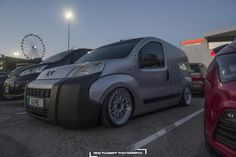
(120, 106)
(187, 95)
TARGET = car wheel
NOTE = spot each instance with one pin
(117, 108)
(186, 97)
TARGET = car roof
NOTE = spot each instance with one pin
(231, 48)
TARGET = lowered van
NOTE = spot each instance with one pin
(111, 84)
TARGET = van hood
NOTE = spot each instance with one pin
(57, 72)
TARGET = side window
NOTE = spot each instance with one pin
(151, 56)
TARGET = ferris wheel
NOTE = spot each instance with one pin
(32, 46)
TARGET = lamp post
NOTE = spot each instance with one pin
(16, 54)
(69, 16)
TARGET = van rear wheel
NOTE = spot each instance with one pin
(186, 97)
(117, 108)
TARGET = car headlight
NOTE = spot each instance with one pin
(88, 68)
(33, 70)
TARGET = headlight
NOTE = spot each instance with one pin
(88, 68)
(33, 70)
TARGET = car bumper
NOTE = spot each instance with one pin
(198, 86)
(13, 90)
(217, 136)
(14, 87)
(68, 103)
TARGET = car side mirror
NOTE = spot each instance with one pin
(148, 60)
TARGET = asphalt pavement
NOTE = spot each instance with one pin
(172, 132)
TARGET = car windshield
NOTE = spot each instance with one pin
(227, 67)
(57, 57)
(18, 70)
(113, 51)
(195, 68)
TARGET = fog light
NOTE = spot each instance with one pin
(230, 116)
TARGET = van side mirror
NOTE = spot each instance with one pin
(148, 60)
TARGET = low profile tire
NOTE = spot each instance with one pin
(117, 108)
(186, 97)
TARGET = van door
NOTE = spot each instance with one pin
(153, 75)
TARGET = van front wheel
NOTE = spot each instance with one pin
(117, 108)
(186, 97)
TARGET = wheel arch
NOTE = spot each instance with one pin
(105, 85)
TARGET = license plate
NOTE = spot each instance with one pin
(7, 89)
(35, 102)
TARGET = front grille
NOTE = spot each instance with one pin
(41, 93)
(226, 132)
(37, 111)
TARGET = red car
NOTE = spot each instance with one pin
(220, 103)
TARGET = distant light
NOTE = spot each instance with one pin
(69, 15)
(16, 53)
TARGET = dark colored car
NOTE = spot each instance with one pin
(16, 71)
(198, 72)
(14, 86)
(3, 77)
(220, 103)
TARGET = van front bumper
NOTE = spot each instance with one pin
(66, 101)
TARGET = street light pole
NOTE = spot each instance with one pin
(69, 16)
(68, 34)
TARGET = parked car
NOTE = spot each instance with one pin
(111, 84)
(198, 73)
(3, 77)
(214, 51)
(220, 103)
(14, 86)
(16, 71)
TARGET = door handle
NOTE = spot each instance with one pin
(167, 75)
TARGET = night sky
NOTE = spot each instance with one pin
(101, 22)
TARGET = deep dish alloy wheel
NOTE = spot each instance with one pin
(117, 108)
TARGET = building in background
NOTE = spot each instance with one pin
(7, 64)
(198, 50)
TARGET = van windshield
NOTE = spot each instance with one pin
(227, 67)
(56, 57)
(112, 51)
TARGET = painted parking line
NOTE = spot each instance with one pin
(20, 113)
(163, 131)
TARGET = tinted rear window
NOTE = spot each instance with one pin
(113, 51)
(195, 68)
(227, 67)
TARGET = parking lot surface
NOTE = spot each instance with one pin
(21, 135)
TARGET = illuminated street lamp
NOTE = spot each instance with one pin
(16, 54)
(69, 16)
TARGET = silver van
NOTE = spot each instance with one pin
(111, 84)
